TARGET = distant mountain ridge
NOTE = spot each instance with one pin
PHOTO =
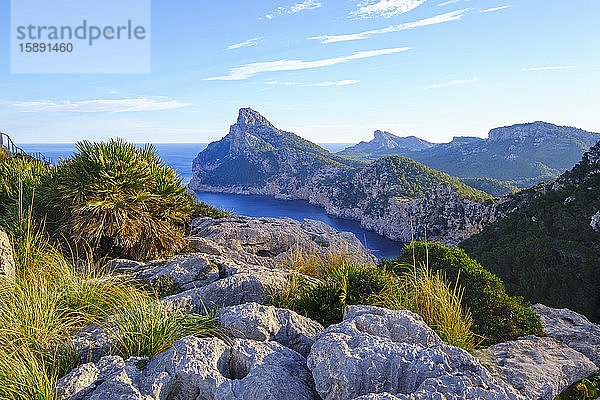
(385, 141)
(257, 158)
(522, 154)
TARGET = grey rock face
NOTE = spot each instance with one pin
(7, 261)
(267, 323)
(182, 272)
(268, 241)
(383, 354)
(595, 222)
(196, 369)
(539, 368)
(253, 284)
(571, 328)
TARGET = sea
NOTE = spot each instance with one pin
(179, 156)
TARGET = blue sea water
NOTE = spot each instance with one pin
(180, 156)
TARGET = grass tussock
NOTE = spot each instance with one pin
(54, 296)
(439, 304)
(148, 329)
(342, 282)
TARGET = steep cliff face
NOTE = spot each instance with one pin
(394, 196)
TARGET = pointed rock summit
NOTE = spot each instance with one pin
(249, 117)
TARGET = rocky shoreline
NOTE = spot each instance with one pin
(271, 353)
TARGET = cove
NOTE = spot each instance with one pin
(267, 206)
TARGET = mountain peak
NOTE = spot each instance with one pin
(250, 117)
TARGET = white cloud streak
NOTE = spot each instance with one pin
(247, 43)
(451, 83)
(495, 9)
(438, 19)
(250, 70)
(385, 8)
(553, 68)
(301, 6)
(447, 3)
(102, 106)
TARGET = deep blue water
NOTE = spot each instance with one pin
(266, 206)
(180, 156)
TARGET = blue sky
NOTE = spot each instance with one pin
(330, 71)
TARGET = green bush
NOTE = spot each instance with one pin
(19, 176)
(121, 200)
(344, 285)
(496, 316)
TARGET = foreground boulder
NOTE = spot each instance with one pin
(243, 285)
(381, 354)
(7, 261)
(540, 368)
(571, 328)
(269, 241)
(196, 369)
(264, 323)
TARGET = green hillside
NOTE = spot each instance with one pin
(548, 251)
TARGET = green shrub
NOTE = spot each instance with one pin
(344, 285)
(19, 176)
(121, 200)
(497, 317)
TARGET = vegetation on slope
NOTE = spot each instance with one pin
(493, 187)
(497, 317)
(547, 250)
(60, 290)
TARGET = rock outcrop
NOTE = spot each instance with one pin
(266, 323)
(381, 354)
(196, 369)
(572, 329)
(539, 368)
(270, 241)
(7, 261)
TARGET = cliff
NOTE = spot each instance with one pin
(395, 196)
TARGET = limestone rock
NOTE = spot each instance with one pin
(571, 328)
(196, 369)
(252, 284)
(383, 354)
(181, 272)
(7, 261)
(267, 323)
(539, 368)
(267, 241)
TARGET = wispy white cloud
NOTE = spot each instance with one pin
(103, 105)
(551, 68)
(451, 83)
(438, 19)
(250, 70)
(385, 8)
(301, 6)
(337, 83)
(447, 3)
(247, 43)
(495, 9)
(321, 84)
